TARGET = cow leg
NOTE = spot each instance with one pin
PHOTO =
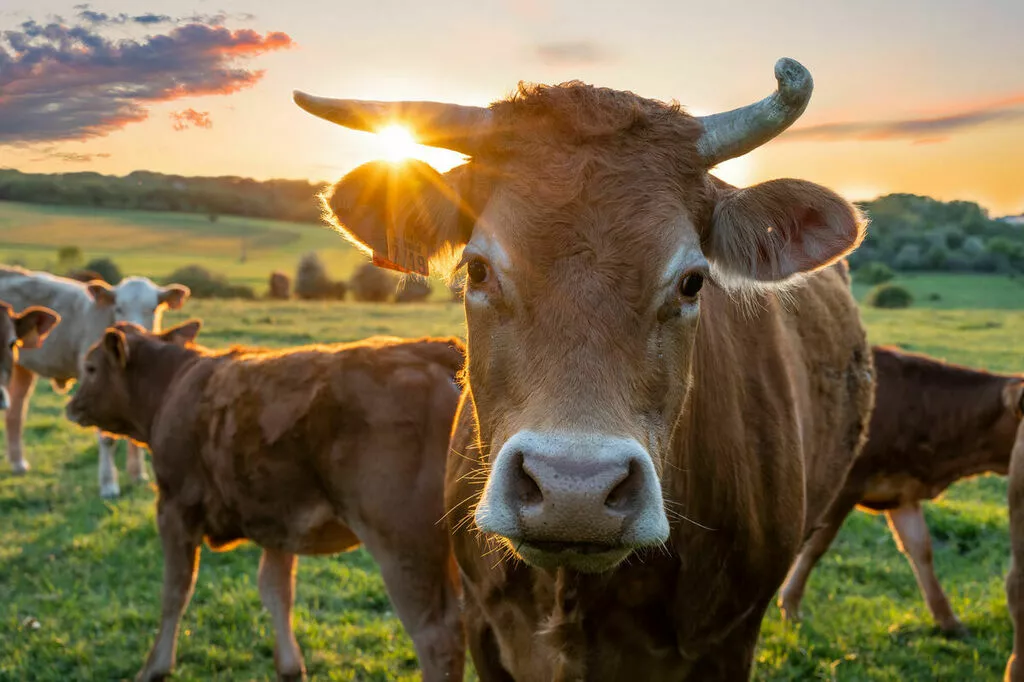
(912, 537)
(792, 592)
(136, 463)
(1015, 578)
(109, 489)
(277, 590)
(181, 563)
(23, 382)
(733, 658)
(422, 580)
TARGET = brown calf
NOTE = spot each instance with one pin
(304, 451)
(27, 329)
(933, 424)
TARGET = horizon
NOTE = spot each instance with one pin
(208, 92)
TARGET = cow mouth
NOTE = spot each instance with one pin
(73, 415)
(585, 557)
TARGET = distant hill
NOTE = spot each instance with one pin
(292, 200)
(910, 232)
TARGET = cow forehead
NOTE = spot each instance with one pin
(137, 292)
(628, 241)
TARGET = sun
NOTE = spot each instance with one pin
(397, 143)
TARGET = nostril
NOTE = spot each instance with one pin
(525, 488)
(627, 491)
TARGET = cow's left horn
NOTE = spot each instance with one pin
(435, 124)
(734, 133)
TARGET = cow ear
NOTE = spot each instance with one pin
(34, 324)
(183, 334)
(116, 345)
(174, 295)
(769, 232)
(101, 293)
(405, 214)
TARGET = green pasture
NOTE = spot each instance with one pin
(80, 577)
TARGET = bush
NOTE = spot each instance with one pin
(371, 284)
(873, 273)
(890, 296)
(311, 280)
(106, 269)
(69, 258)
(205, 284)
(280, 286)
(412, 290)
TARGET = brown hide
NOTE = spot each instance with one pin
(780, 403)
(303, 451)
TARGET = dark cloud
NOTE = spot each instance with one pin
(190, 118)
(576, 53)
(925, 130)
(67, 82)
(90, 16)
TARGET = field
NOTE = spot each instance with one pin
(80, 577)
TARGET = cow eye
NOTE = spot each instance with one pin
(90, 369)
(13, 344)
(690, 285)
(477, 271)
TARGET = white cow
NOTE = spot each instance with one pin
(86, 310)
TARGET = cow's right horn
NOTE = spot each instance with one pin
(734, 133)
(435, 124)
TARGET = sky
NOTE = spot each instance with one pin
(921, 96)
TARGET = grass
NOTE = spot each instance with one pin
(80, 577)
(155, 244)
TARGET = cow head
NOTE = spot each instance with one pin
(137, 300)
(27, 329)
(588, 226)
(111, 368)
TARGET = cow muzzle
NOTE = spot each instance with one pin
(582, 501)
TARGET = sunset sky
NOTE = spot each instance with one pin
(923, 96)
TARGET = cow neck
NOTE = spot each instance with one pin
(155, 368)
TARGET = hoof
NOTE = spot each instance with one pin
(955, 630)
(299, 676)
(110, 491)
(20, 468)
(790, 614)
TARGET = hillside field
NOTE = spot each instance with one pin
(80, 577)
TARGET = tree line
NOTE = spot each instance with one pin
(907, 232)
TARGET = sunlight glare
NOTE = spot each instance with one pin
(397, 143)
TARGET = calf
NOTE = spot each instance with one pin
(305, 451)
(933, 424)
(86, 310)
(26, 330)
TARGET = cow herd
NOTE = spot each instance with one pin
(665, 406)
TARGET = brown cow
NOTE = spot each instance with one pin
(27, 329)
(1015, 578)
(305, 451)
(640, 483)
(933, 424)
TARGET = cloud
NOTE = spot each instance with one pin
(573, 53)
(70, 82)
(924, 130)
(190, 118)
(69, 157)
(94, 18)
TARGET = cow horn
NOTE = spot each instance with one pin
(435, 124)
(734, 133)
